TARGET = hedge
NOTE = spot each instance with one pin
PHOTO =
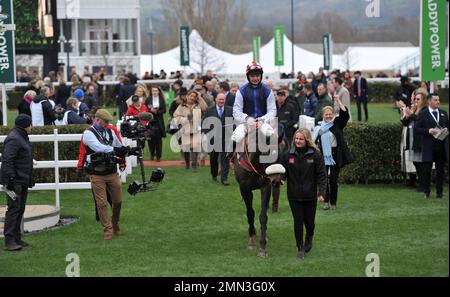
(376, 148)
(378, 92)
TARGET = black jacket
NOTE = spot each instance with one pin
(305, 171)
(410, 123)
(229, 100)
(159, 116)
(403, 93)
(225, 131)
(424, 123)
(125, 92)
(62, 94)
(343, 152)
(24, 108)
(17, 158)
(287, 116)
(363, 91)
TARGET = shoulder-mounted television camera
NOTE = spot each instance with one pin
(133, 128)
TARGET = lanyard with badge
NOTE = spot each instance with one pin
(442, 133)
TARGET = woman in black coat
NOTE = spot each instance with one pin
(156, 104)
(24, 105)
(330, 138)
(305, 172)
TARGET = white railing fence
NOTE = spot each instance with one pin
(57, 164)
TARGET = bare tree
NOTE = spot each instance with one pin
(328, 22)
(219, 22)
(203, 58)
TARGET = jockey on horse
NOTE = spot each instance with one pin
(254, 106)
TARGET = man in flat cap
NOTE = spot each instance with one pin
(16, 176)
(102, 147)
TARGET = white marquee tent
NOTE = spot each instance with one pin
(359, 58)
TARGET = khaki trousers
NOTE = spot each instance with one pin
(99, 184)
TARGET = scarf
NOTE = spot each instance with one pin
(324, 128)
(27, 99)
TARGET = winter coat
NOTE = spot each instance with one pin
(305, 173)
(17, 158)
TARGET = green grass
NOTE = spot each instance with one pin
(192, 227)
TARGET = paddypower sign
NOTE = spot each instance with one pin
(7, 51)
(278, 36)
(432, 40)
(184, 46)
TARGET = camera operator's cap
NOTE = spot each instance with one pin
(104, 115)
(23, 120)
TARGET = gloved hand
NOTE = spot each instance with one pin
(11, 184)
(121, 151)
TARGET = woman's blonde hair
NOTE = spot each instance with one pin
(308, 138)
(144, 89)
(326, 108)
(30, 93)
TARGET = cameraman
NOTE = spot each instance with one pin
(101, 147)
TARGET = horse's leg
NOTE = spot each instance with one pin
(265, 197)
(247, 195)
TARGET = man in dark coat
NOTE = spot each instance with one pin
(126, 91)
(287, 115)
(229, 97)
(16, 176)
(220, 111)
(360, 94)
(403, 93)
(430, 121)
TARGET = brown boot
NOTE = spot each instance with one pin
(117, 230)
(108, 236)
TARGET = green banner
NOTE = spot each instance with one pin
(184, 46)
(278, 36)
(7, 50)
(256, 45)
(432, 39)
(327, 51)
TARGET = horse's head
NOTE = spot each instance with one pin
(275, 173)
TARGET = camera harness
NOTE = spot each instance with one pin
(101, 163)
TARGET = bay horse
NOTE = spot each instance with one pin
(251, 175)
